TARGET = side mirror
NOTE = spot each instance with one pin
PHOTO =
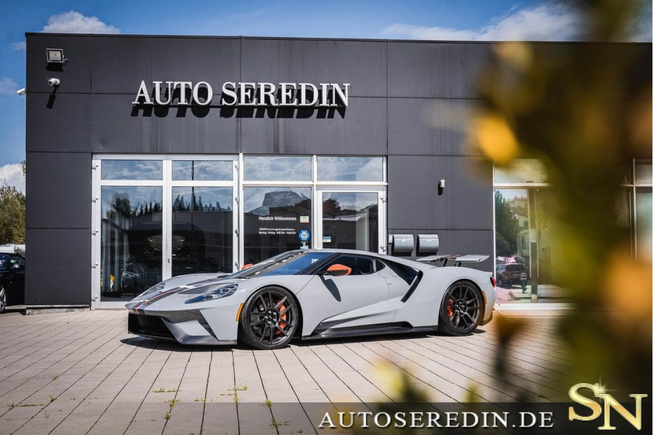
(338, 270)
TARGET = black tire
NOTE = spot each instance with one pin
(461, 309)
(269, 318)
(3, 299)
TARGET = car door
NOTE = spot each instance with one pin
(334, 302)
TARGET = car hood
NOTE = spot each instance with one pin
(175, 291)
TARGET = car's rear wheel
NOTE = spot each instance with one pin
(269, 318)
(461, 309)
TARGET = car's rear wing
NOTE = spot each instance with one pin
(457, 260)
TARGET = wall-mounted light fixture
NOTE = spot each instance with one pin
(55, 55)
(441, 184)
(21, 91)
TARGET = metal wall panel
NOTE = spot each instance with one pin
(435, 70)
(58, 191)
(119, 64)
(425, 126)
(358, 130)
(362, 64)
(415, 203)
(58, 122)
(120, 127)
(58, 267)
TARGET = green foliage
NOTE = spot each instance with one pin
(12, 215)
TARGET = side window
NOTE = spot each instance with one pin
(359, 265)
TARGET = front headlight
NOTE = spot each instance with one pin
(151, 291)
(216, 291)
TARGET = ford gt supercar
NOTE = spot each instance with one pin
(312, 294)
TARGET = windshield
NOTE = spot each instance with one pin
(289, 263)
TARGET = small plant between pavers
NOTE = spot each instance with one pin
(235, 390)
(276, 424)
(23, 405)
(200, 399)
(268, 403)
(47, 415)
(55, 377)
(52, 398)
(172, 403)
(163, 390)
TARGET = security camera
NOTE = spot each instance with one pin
(54, 82)
(21, 91)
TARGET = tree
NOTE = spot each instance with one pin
(12, 215)
(507, 227)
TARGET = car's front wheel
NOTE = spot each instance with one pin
(461, 309)
(269, 318)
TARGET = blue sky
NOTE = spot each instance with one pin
(418, 19)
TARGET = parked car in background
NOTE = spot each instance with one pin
(12, 280)
(512, 274)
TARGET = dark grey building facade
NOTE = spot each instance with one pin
(407, 107)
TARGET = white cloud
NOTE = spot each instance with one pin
(551, 22)
(12, 174)
(74, 22)
(22, 45)
(8, 86)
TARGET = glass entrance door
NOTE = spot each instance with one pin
(351, 219)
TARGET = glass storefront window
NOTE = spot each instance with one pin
(350, 220)
(643, 172)
(202, 170)
(273, 168)
(644, 236)
(368, 169)
(202, 228)
(521, 171)
(274, 220)
(131, 247)
(132, 170)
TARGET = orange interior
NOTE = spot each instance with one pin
(335, 267)
(247, 266)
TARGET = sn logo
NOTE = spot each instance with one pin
(609, 403)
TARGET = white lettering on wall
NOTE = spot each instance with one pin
(245, 94)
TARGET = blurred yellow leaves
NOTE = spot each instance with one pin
(629, 285)
(494, 137)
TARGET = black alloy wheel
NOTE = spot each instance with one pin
(269, 318)
(461, 309)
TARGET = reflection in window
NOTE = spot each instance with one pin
(132, 170)
(272, 168)
(202, 227)
(131, 251)
(523, 238)
(202, 170)
(644, 206)
(350, 169)
(350, 221)
(521, 171)
(274, 217)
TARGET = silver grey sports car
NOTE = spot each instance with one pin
(312, 294)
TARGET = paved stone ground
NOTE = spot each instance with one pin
(82, 373)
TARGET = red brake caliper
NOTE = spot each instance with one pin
(450, 308)
(282, 319)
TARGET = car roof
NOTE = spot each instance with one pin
(411, 263)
